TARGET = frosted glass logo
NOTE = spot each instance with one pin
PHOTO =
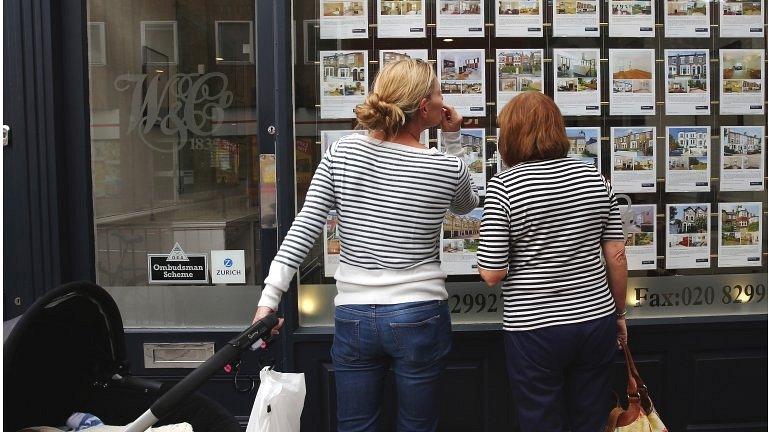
(186, 104)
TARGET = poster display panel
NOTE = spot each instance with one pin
(328, 137)
(741, 234)
(585, 145)
(686, 18)
(519, 18)
(742, 158)
(400, 19)
(462, 79)
(742, 19)
(518, 71)
(473, 145)
(387, 56)
(576, 73)
(742, 77)
(639, 223)
(633, 159)
(688, 159)
(343, 19)
(576, 18)
(632, 81)
(459, 242)
(331, 244)
(631, 18)
(343, 82)
(686, 87)
(687, 236)
(460, 18)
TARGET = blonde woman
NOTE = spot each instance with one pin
(391, 193)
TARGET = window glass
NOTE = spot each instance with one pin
(175, 157)
(640, 86)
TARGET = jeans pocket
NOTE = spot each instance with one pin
(425, 340)
(346, 340)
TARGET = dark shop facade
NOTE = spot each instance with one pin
(141, 128)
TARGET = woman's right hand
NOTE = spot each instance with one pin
(621, 330)
(451, 121)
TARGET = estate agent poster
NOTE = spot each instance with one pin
(742, 158)
(400, 19)
(742, 74)
(343, 19)
(686, 88)
(585, 145)
(577, 81)
(519, 18)
(328, 137)
(463, 18)
(576, 18)
(343, 81)
(742, 19)
(687, 236)
(633, 155)
(462, 79)
(386, 56)
(517, 71)
(331, 244)
(633, 89)
(740, 234)
(458, 246)
(686, 18)
(631, 18)
(688, 159)
(639, 222)
(473, 144)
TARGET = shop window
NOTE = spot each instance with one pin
(97, 45)
(159, 42)
(234, 42)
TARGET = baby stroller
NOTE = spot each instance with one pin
(66, 354)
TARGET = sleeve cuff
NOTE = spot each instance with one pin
(270, 297)
(452, 143)
(275, 284)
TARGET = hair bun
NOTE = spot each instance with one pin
(377, 114)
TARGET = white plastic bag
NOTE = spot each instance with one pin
(278, 403)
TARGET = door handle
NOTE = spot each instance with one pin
(6, 135)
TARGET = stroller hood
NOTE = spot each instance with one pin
(68, 340)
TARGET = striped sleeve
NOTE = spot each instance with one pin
(466, 198)
(493, 252)
(613, 229)
(302, 235)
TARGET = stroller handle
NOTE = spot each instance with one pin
(167, 402)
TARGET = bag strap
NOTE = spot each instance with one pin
(635, 384)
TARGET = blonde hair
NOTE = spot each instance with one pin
(397, 91)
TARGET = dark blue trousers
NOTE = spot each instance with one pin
(560, 375)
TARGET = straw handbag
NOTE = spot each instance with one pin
(640, 415)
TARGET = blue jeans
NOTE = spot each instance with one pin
(413, 338)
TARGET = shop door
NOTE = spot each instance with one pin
(184, 174)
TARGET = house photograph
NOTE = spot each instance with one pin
(344, 74)
(688, 219)
(740, 224)
(575, 64)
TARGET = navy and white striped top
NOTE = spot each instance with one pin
(390, 200)
(545, 221)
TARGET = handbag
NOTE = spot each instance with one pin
(278, 403)
(640, 415)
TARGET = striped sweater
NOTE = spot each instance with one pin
(390, 200)
(545, 221)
